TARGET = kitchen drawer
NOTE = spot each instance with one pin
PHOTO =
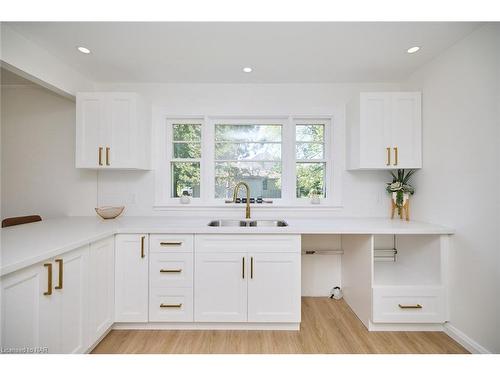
(242, 243)
(171, 270)
(171, 305)
(171, 243)
(409, 305)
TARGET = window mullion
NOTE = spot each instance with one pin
(287, 162)
(208, 161)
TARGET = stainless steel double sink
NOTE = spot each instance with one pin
(248, 223)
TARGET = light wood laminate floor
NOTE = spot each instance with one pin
(328, 326)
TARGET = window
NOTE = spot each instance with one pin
(285, 160)
(186, 159)
(249, 153)
(310, 166)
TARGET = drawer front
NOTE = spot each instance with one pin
(256, 243)
(171, 305)
(409, 305)
(171, 243)
(173, 270)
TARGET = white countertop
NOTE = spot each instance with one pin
(27, 244)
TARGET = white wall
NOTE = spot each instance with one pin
(38, 157)
(459, 184)
(363, 192)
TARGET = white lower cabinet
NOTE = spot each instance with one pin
(131, 277)
(247, 278)
(72, 287)
(220, 288)
(402, 304)
(45, 306)
(171, 305)
(171, 271)
(274, 287)
(101, 287)
(29, 316)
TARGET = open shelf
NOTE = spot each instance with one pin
(417, 262)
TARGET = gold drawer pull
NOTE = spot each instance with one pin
(417, 306)
(177, 305)
(178, 270)
(49, 279)
(143, 238)
(396, 155)
(60, 262)
(171, 243)
(388, 156)
(100, 156)
(107, 157)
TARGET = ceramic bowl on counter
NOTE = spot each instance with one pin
(109, 212)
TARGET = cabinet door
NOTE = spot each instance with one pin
(29, 318)
(71, 286)
(274, 287)
(90, 129)
(101, 288)
(220, 287)
(375, 129)
(122, 130)
(131, 278)
(406, 130)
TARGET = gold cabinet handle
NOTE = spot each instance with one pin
(100, 156)
(417, 306)
(178, 270)
(388, 156)
(60, 263)
(171, 243)
(395, 156)
(49, 279)
(107, 157)
(143, 238)
(165, 305)
(251, 267)
(243, 267)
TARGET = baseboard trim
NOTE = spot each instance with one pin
(210, 326)
(464, 340)
(92, 347)
(400, 327)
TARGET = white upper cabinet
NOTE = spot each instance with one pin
(385, 131)
(112, 131)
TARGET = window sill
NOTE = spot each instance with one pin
(241, 206)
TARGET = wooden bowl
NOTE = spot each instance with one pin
(109, 212)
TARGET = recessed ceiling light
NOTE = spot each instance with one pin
(413, 49)
(247, 69)
(84, 50)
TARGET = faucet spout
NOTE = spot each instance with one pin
(235, 195)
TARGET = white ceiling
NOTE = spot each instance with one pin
(217, 52)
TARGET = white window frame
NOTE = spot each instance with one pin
(328, 158)
(163, 143)
(241, 120)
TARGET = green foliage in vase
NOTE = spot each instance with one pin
(400, 185)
